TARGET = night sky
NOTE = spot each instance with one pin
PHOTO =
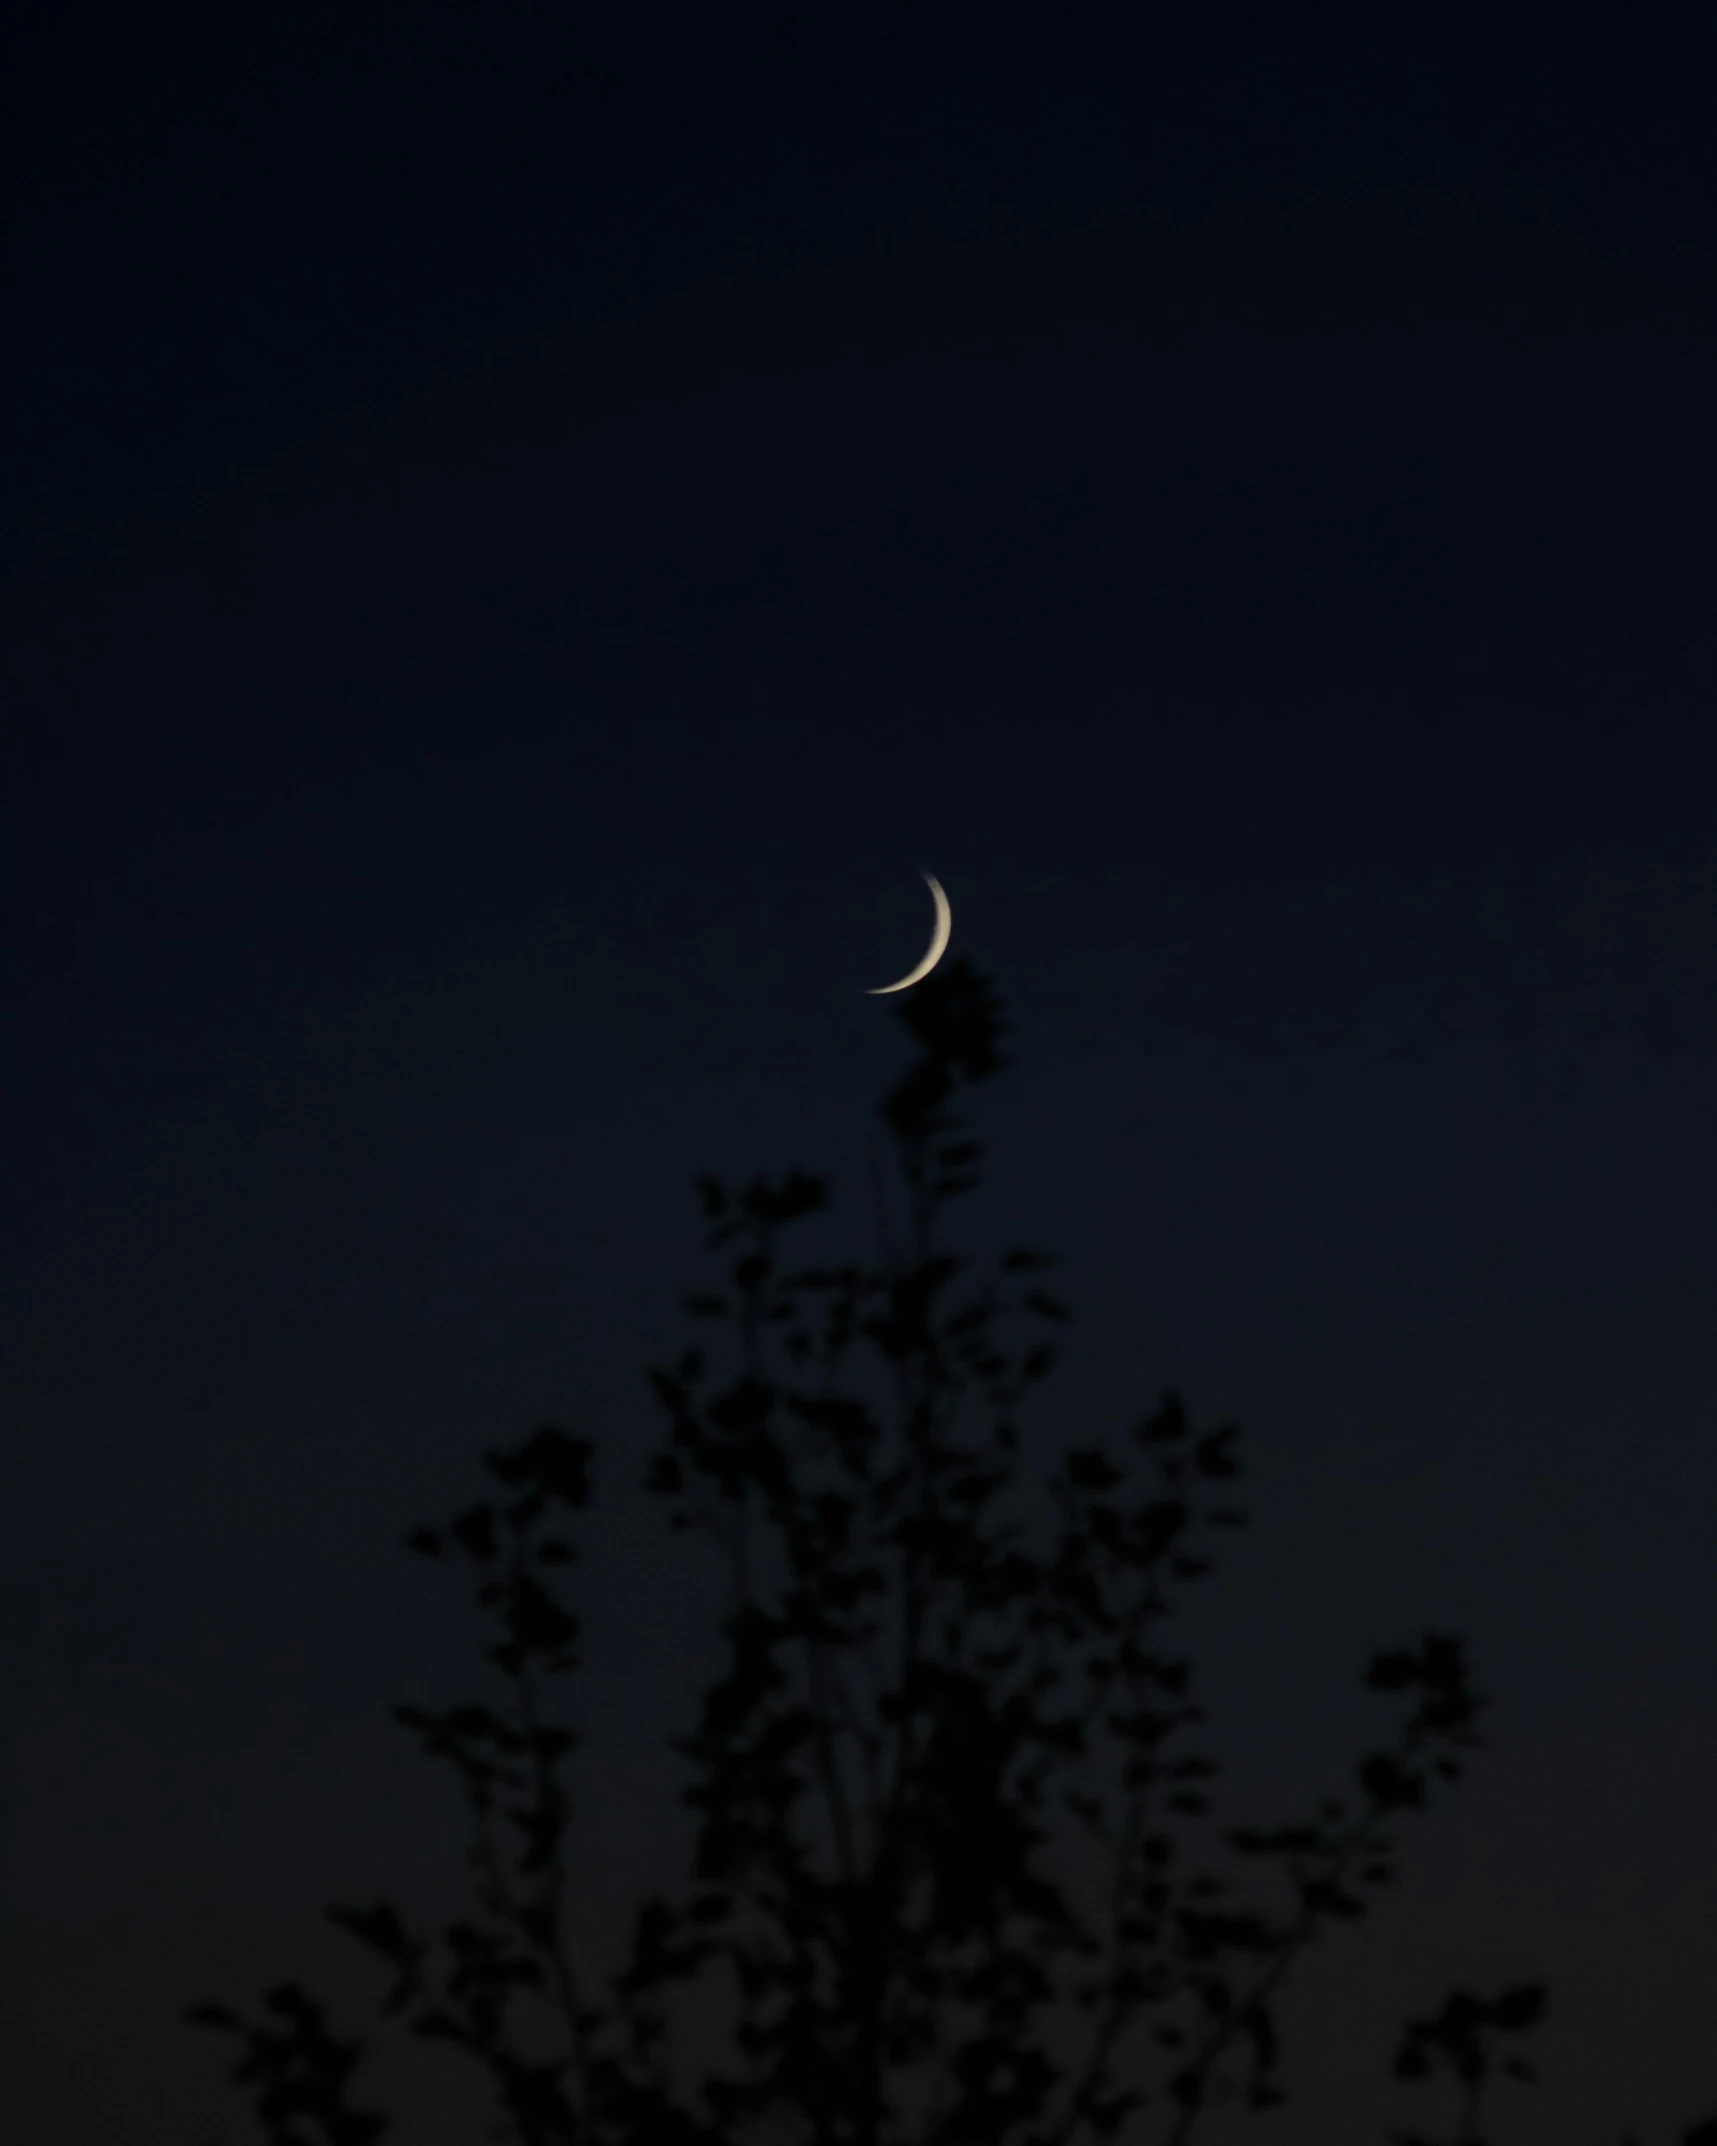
(529, 527)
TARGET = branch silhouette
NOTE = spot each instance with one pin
(924, 1696)
(1458, 2040)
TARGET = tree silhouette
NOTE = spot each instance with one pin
(925, 1698)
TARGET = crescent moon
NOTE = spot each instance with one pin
(938, 944)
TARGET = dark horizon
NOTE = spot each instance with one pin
(530, 535)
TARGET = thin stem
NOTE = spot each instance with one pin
(554, 1890)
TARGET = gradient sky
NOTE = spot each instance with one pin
(530, 526)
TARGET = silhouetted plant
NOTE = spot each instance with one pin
(916, 1701)
(1459, 2040)
(919, 1673)
(298, 2071)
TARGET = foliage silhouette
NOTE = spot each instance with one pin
(919, 1704)
(1458, 2039)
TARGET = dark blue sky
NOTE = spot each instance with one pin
(529, 526)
